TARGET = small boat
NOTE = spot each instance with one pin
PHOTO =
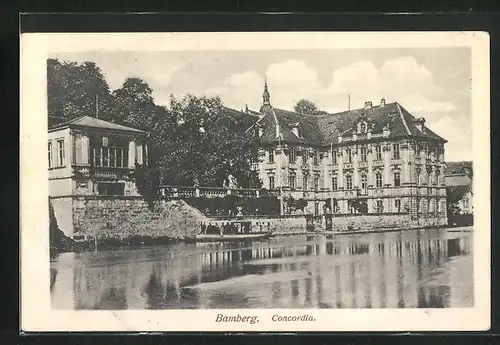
(233, 230)
(233, 237)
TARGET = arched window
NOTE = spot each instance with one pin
(362, 127)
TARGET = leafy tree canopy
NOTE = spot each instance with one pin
(305, 106)
(75, 89)
(190, 140)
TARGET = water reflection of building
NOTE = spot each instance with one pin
(389, 271)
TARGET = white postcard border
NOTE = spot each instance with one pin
(36, 313)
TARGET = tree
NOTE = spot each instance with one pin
(305, 106)
(191, 141)
(300, 204)
(360, 205)
(195, 146)
(133, 104)
(75, 90)
(289, 202)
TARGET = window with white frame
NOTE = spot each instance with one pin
(305, 181)
(271, 182)
(270, 153)
(380, 206)
(362, 127)
(363, 154)
(466, 202)
(50, 154)
(348, 182)
(349, 155)
(316, 157)
(334, 183)
(364, 182)
(395, 151)
(110, 152)
(334, 157)
(378, 152)
(378, 180)
(291, 181)
(60, 153)
(316, 183)
(397, 205)
(293, 156)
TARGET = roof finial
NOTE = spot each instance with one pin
(265, 95)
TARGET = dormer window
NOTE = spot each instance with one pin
(362, 127)
(420, 124)
(297, 130)
(258, 131)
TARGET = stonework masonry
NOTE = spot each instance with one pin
(123, 217)
(376, 222)
(119, 218)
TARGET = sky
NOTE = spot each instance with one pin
(429, 82)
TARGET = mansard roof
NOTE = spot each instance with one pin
(398, 119)
(326, 128)
(92, 122)
(245, 119)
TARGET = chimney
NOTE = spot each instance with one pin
(382, 102)
(368, 105)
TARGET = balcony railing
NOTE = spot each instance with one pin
(220, 192)
(212, 192)
(102, 172)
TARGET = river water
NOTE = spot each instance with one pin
(404, 269)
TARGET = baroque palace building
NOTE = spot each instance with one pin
(380, 159)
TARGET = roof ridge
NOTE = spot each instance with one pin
(403, 118)
(278, 128)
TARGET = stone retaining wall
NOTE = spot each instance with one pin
(120, 219)
(373, 222)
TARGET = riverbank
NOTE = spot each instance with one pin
(465, 228)
(137, 242)
(104, 221)
(58, 242)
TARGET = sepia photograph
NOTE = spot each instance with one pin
(235, 181)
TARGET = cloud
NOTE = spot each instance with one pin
(458, 134)
(401, 79)
(239, 89)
